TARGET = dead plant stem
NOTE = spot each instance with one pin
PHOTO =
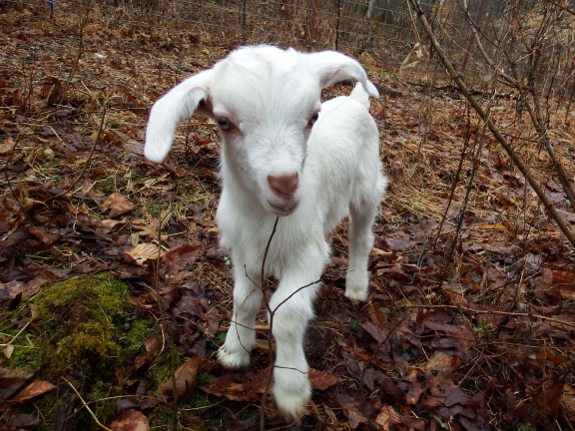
(94, 145)
(270, 332)
(85, 405)
(480, 140)
(83, 21)
(168, 328)
(453, 187)
(501, 313)
(8, 183)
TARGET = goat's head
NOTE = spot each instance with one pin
(265, 101)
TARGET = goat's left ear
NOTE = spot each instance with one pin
(332, 67)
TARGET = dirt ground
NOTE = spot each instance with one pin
(471, 314)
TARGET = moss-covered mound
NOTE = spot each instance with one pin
(77, 330)
(80, 319)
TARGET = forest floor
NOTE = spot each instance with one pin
(466, 328)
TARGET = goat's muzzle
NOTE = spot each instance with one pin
(284, 188)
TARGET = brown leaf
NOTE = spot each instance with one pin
(146, 229)
(6, 146)
(185, 380)
(144, 253)
(351, 410)
(378, 334)
(457, 396)
(415, 388)
(45, 239)
(13, 288)
(20, 420)
(245, 390)
(153, 345)
(10, 385)
(117, 204)
(321, 380)
(391, 391)
(252, 390)
(104, 227)
(130, 420)
(440, 361)
(180, 256)
(548, 399)
(33, 390)
(388, 417)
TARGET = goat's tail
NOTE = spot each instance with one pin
(360, 95)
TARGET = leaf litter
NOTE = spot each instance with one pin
(481, 341)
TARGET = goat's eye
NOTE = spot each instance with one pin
(225, 123)
(313, 119)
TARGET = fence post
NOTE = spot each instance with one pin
(312, 23)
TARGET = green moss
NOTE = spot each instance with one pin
(199, 399)
(78, 318)
(132, 340)
(102, 407)
(163, 369)
(205, 379)
(78, 333)
(159, 417)
(354, 324)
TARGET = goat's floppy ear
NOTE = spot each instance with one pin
(180, 102)
(332, 67)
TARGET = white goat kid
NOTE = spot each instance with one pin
(282, 157)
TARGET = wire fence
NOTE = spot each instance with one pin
(385, 30)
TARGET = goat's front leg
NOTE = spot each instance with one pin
(235, 353)
(291, 314)
(360, 244)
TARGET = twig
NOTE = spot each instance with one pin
(170, 331)
(561, 7)
(449, 259)
(501, 313)
(83, 21)
(453, 187)
(270, 333)
(84, 404)
(294, 292)
(8, 183)
(96, 142)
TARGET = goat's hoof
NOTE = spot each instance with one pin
(233, 360)
(292, 406)
(292, 392)
(356, 295)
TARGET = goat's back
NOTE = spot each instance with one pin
(343, 158)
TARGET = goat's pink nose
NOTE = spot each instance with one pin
(284, 186)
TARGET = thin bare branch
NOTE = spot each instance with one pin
(492, 127)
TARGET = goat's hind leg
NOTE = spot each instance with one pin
(235, 353)
(360, 244)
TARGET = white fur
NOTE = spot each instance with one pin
(320, 174)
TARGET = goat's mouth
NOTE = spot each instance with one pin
(284, 208)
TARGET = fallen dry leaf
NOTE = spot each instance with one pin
(388, 418)
(185, 377)
(143, 253)
(33, 390)
(153, 345)
(118, 204)
(130, 420)
(321, 380)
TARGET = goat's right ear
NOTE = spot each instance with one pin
(180, 102)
